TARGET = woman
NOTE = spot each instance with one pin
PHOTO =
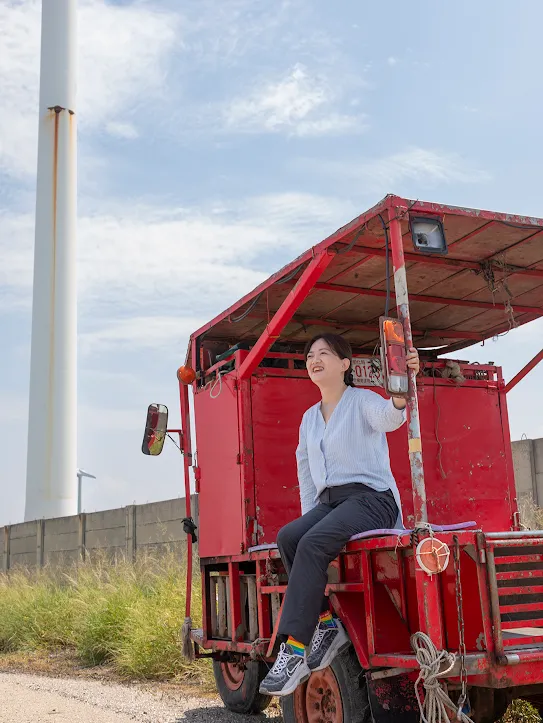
(346, 487)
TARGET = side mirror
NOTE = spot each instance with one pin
(155, 429)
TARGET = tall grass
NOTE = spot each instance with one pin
(127, 615)
(530, 514)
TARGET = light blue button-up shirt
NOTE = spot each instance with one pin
(352, 447)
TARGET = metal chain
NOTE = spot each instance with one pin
(461, 629)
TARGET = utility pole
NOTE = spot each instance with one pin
(52, 424)
(80, 474)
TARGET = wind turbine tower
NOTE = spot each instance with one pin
(51, 483)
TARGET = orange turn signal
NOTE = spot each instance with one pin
(186, 375)
(393, 331)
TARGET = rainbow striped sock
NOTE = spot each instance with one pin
(327, 619)
(297, 647)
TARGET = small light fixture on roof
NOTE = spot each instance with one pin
(428, 234)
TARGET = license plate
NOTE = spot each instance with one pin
(367, 372)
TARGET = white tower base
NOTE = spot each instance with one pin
(51, 482)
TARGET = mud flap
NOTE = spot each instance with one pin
(393, 700)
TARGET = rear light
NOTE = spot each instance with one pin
(393, 357)
(186, 375)
(428, 234)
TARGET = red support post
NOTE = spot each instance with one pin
(402, 301)
(186, 447)
(524, 371)
(428, 593)
(285, 312)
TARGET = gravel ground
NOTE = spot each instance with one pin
(37, 699)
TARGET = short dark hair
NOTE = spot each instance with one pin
(341, 348)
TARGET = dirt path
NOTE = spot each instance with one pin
(28, 698)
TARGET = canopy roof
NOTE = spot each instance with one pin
(490, 281)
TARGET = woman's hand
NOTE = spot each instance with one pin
(412, 359)
(413, 362)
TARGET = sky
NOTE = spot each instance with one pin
(217, 141)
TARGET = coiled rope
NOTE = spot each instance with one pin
(436, 703)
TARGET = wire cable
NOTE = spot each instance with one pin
(254, 302)
(387, 264)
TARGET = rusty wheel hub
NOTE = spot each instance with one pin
(319, 700)
(233, 674)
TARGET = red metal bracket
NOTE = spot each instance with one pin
(524, 371)
(285, 313)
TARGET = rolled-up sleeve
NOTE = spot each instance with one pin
(308, 491)
(381, 413)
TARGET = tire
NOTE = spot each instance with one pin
(238, 686)
(339, 690)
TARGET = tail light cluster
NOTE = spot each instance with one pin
(393, 357)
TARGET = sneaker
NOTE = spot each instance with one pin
(326, 644)
(288, 672)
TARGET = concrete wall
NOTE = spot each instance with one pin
(125, 532)
(528, 463)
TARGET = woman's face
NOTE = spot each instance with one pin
(324, 366)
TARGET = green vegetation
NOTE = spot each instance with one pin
(126, 615)
(521, 712)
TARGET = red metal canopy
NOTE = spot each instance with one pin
(490, 281)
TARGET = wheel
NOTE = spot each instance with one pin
(238, 684)
(337, 694)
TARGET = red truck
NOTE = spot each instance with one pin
(448, 609)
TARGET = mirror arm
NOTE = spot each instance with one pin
(180, 446)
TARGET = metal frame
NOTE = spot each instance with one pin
(485, 305)
(185, 445)
(336, 243)
(319, 258)
(499, 664)
(285, 313)
(444, 333)
(492, 667)
(524, 371)
(448, 261)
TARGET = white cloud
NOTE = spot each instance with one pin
(140, 259)
(333, 124)
(123, 57)
(127, 74)
(223, 33)
(425, 168)
(424, 165)
(298, 104)
(122, 130)
(100, 419)
(392, 61)
(140, 333)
